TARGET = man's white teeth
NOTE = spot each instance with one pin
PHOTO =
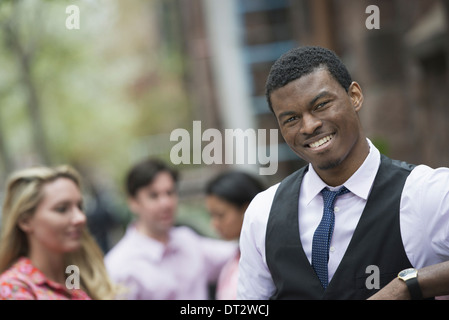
(320, 142)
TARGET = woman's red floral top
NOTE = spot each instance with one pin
(25, 282)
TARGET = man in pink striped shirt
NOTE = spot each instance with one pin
(154, 259)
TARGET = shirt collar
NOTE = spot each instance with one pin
(359, 183)
(36, 276)
(156, 250)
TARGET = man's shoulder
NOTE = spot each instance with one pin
(295, 174)
(184, 233)
(260, 207)
(399, 164)
(423, 174)
(418, 171)
(121, 251)
(267, 195)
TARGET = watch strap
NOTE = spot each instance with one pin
(414, 288)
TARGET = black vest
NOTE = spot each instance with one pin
(376, 240)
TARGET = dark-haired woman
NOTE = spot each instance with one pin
(228, 196)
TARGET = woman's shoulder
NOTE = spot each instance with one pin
(15, 283)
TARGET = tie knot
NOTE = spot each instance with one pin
(329, 196)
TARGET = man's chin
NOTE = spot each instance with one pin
(332, 164)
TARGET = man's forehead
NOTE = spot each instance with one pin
(312, 83)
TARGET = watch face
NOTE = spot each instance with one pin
(408, 273)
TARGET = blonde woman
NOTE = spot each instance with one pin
(46, 251)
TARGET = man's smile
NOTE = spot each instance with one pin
(320, 143)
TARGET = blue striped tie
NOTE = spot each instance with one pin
(323, 235)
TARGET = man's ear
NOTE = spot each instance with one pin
(356, 95)
(133, 205)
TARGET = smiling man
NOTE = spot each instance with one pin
(318, 119)
(314, 235)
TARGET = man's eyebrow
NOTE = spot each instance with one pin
(311, 103)
(286, 113)
(319, 96)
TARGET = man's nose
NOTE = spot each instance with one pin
(309, 124)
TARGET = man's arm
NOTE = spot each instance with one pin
(255, 282)
(425, 233)
(433, 280)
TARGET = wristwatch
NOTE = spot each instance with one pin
(410, 277)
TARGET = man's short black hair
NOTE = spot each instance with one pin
(302, 61)
(144, 172)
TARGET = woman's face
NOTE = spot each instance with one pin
(59, 220)
(227, 218)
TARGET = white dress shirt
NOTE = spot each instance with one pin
(424, 221)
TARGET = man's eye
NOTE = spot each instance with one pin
(290, 119)
(152, 195)
(319, 106)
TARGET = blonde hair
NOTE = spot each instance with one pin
(23, 195)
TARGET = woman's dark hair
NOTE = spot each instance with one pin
(236, 187)
(144, 172)
(302, 61)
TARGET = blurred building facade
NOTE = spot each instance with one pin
(402, 66)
